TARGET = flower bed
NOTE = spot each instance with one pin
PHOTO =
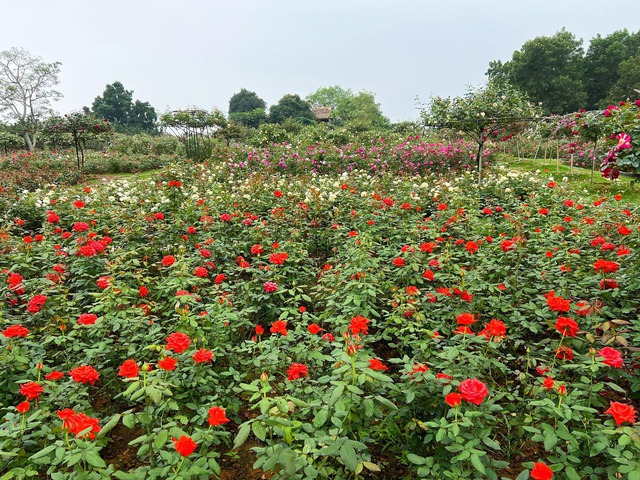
(348, 324)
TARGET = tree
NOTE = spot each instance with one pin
(482, 113)
(628, 83)
(245, 101)
(26, 90)
(603, 64)
(329, 96)
(362, 111)
(81, 125)
(195, 129)
(291, 106)
(116, 105)
(548, 69)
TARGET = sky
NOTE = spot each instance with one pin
(182, 53)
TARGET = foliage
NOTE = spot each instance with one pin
(603, 66)
(27, 90)
(291, 106)
(628, 82)
(548, 69)
(494, 111)
(329, 96)
(245, 101)
(195, 129)
(116, 105)
(80, 126)
(340, 320)
(622, 126)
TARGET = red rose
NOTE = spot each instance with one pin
(313, 329)
(453, 399)
(31, 390)
(129, 369)
(622, 413)
(15, 331)
(359, 324)
(473, 391)
(84, 374)
(23, 407)
(217, 416)
(297, 370)
(185, 445)
(87, 319)
(168, 260)
(178, 342)
(541, 471)
(612, 357)
(279, 326)
(167, 363)
(203, 356)
(375, 364)
(567, 326)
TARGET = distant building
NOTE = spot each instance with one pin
(322, 114)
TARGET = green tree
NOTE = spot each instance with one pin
(603, 64)
(329, 96)
(549, 70)
(195, 128)
(361, 111)
(81, 125)
(116, 105)
(628, 84)
(482, 113)
(291, 106)
(247, 108)
(245, 101)
(26, 90)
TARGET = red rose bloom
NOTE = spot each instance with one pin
(279, 326)
(84, 374)
(612, 357)
(203, 356)
(53, 376)
(217, 416)
(168, 260)
(622, 413)
(168, 364)
(31, 390)
(557, 304)
(15, 331)
(270, 287)
(129, 369)
(185, 445)
(278, 258)
(453, 399)
(466, 319)
(359, 325)
(375, 364)
(606, 266)
(200, 272)
(36, 303)
(564, 353)
(567, 326)
(399, 262)
(540, 471)
(297, 370)
(313, 329)
(143, 291)
(87, 319)
(78, 422)
(473, 391)
(178, 342)
(23, 407)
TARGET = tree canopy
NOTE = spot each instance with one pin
(293, 107)
(27, 90)
(245, 101)
(116, 105)
(496, 110)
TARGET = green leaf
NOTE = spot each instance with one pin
(336, 394)
(93, 458)
(349, 457)
(109, 426)
(287, 460)
(129, 420)
(571, 473)
(243, 434)
(416, 459)
(320, 418)
(550, 440)
(259, 430)
(154, 394)
(161, 439)
(477, 463)
(42, 452)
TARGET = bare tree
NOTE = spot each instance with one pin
(26, 90)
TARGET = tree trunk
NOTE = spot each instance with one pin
(479, 159)
(28, 142)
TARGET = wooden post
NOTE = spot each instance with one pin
(571, 164)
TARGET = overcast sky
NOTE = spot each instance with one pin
(179, 53)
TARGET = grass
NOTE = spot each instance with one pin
(581, 177)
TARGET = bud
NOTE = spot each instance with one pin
(146, 367)
(264, 377)
(351, 350)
